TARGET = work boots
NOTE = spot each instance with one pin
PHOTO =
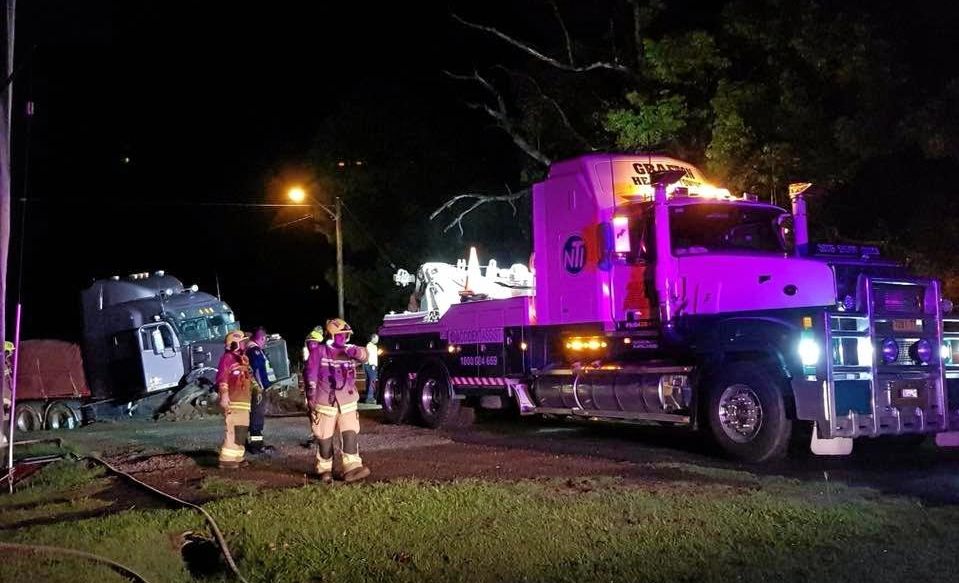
(353, 468)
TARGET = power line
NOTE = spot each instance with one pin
(87, 203)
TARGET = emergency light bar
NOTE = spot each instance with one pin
(702, 190)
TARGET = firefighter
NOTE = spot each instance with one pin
(8, 350)
(332, 399)
(234, 382)
(264, 376)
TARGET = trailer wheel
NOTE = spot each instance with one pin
(61, 415)
(28, 417)
(434, 400)
(394, 396)
(747, 415)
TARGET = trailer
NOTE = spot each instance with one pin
(655, 297)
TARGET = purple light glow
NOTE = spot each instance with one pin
(890, 350)
(921, 351)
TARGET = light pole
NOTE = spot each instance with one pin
(298, 194)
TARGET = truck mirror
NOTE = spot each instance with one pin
(157, 338)
(784, 224)
(605, 236)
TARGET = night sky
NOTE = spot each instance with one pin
(147, 112)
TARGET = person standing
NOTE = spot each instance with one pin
(369, 367)
(264, 376)
(234, 382)
(332, 399)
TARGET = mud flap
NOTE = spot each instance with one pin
(947, 439)
(834, 446)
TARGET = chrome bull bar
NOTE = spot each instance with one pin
(869, 394)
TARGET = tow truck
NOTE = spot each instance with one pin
(655, 297)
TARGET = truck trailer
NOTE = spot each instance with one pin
(655, 297)
(150, 346)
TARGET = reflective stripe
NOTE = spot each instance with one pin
(230, 453)
(240, 406)
(323, 465)
(327, 410)
(349, 407)
(336, 361)
(350, 459)
(256, 438)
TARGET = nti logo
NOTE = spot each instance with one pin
(574, 254)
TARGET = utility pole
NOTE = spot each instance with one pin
(6, 119)
(338, 218)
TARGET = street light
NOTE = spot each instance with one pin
(298, 195)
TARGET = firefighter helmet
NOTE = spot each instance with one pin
(8, 347)
(338, 326)
(233, 339)
(316, 334)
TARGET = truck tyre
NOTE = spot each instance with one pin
(393, 393)
(434, 399)
(747, 415)
(61, 415)
(28, 417)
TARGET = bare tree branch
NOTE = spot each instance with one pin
(501, 116)
(553, 102)
(479, 200)
(562, 25)
(530, 50)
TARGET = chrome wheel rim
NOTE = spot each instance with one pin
(740, 413)
(391, 396)
(431, 397)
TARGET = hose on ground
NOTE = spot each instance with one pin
(47, 550)
(220, 540)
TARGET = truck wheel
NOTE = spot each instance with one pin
(747, 415)
(434, 399)
(28, 417)
(61, 416)
(394, 396)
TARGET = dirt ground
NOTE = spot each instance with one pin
(180, 457)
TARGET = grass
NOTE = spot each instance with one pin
(544, 530)
(222, 488)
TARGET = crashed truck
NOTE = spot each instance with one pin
(150, 347)
(654, 297)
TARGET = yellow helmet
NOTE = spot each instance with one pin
(338, 326)
(233, 339)
(8, 347)
(316, 334)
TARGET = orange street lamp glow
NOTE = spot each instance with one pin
(296, 194)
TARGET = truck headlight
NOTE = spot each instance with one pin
(921, 351)
(890, 350)
(809, 351)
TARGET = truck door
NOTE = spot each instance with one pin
(160, 355)
(632, 255)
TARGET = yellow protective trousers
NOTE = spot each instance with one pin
(326, 419)
(237, 421)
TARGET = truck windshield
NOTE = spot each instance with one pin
(206, 328)
(720, 227)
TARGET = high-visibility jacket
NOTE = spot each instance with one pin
(331, 373)
(235, 377)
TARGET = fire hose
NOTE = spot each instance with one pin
(220, 540)
(123, 569)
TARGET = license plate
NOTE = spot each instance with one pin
(911, 325)
(909, 393)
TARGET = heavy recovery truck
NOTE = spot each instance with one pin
(150, 346)
(655, 297)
